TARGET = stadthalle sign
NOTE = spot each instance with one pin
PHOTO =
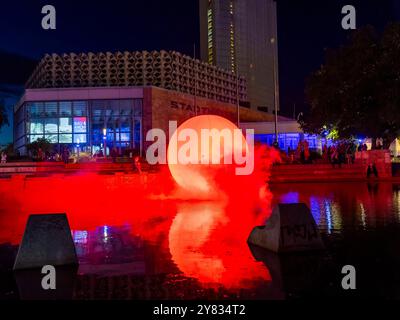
(187, 107)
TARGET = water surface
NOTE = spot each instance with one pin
(130, 247)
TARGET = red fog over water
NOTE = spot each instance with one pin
(206, 234)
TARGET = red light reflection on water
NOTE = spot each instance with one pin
(207, 245)
(206, 240)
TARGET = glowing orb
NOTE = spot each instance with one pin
(210, 143)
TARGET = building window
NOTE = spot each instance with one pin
(65, 138)
(79, 108)
(125, 108)
(35, 109)
(80, 125)
(312, 140)
(67, 122)
(285, 140)
(210, 36)
(36, 127)
(137, 127)
(53, 138)
(51, 109)
(65, 125)
(137, 107)
(51, 125)
(65, 108)
(232, 47)
(80, 138)
(33, 138)
(125, 136)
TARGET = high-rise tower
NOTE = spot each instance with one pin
(236, 35)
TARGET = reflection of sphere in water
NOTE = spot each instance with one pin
(200, 147)
(190, 230)
(208, 243)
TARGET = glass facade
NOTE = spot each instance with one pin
(291, 140)
(92, 125)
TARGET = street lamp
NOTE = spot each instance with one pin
(276, 89)
(105, 141)
(77, 149)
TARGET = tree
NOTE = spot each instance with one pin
(40, 144)
(9, 149)
(3, 114)
(357, 90)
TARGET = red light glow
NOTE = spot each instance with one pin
(206, 239)
(199, 177)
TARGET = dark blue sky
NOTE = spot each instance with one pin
(305, 28)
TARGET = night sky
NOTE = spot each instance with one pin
(305, 29)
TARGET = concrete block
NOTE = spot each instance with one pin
(47, 240)
(292, 274)
(29, 282)
(290, 228)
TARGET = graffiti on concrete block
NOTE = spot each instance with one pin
(298, 233)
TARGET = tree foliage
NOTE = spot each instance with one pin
(357, 90)
(42, 144)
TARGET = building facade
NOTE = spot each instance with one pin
(289, 136)
(165, 69)
(100, 101)
(236, 35)
(91, 119)
(80, 118)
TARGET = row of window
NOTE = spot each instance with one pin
(287, 140)
(60, 138)
(77, 138)
(101, 108)
(66, 122)
(60, 125)
(54, 109)
(65, 127)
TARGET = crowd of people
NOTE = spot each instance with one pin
(114, 154)
(301, 154)
(337, 154)
(342, 152)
